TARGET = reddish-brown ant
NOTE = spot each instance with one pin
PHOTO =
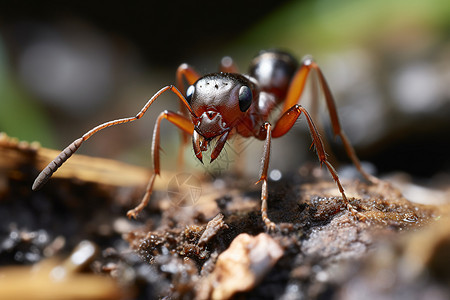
(218, 105)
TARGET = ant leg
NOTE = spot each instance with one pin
(51, 168)
(285, 123)
(267, 128)
(181, 122)
(184, 73)
(294, 93)
(228, 65)
(314, 112)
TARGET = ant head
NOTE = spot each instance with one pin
(219, 102)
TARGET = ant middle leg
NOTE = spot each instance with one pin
(294, 93)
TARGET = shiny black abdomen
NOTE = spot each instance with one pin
(274, 70)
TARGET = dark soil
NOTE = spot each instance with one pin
(217, 247)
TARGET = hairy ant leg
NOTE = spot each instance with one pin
(187, 128)
(295, 91)
(285, 123)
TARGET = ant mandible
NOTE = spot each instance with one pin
(219, 105)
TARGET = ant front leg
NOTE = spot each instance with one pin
(294, 93)
(285, 123)
(267, 128)
(186, 127)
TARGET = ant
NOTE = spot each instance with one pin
(219, 105)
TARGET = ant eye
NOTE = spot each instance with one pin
(245, 98)
(189, 93)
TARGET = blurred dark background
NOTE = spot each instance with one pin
(68, 66)
(165, 32)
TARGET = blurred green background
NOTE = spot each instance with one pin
(68, 66)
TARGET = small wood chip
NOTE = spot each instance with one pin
(211, 230)
(242, 266)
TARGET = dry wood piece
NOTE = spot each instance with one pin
(242, 266)
(14, 154)
(50, 279)
(211, 230)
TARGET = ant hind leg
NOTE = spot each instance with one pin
(285, 123)
(294, 93)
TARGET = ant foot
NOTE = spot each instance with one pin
(360, 217)
(356, 214)
(271, 226)
(132, 214)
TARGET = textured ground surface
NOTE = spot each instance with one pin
(73, 236)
